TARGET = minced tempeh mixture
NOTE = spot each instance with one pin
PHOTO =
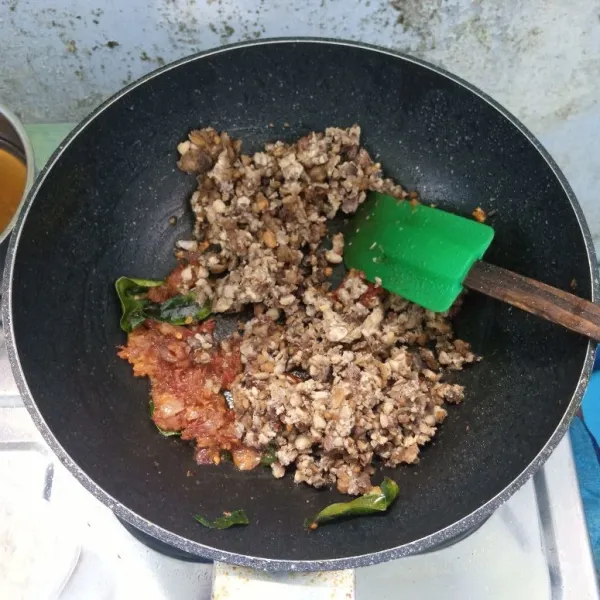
(324, 380)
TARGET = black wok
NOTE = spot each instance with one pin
(101, 209)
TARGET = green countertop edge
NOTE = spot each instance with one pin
(45, 138)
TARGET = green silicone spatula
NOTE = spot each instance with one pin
(427, 255)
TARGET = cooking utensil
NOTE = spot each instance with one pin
(16, 153)
(102, 208)
(426, 255)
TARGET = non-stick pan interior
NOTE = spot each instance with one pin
(103, 210)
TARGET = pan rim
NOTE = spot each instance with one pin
(201, 550)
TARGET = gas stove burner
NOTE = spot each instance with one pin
(173, 552)
(161, 547)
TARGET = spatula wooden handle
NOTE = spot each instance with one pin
(535, 297)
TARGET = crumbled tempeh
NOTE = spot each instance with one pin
(331, 380)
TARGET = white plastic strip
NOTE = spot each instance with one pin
(231, 582)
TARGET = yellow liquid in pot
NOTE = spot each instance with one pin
(13, 174)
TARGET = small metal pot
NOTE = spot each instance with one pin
(14, 139)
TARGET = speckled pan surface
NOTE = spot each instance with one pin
(101, 209)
